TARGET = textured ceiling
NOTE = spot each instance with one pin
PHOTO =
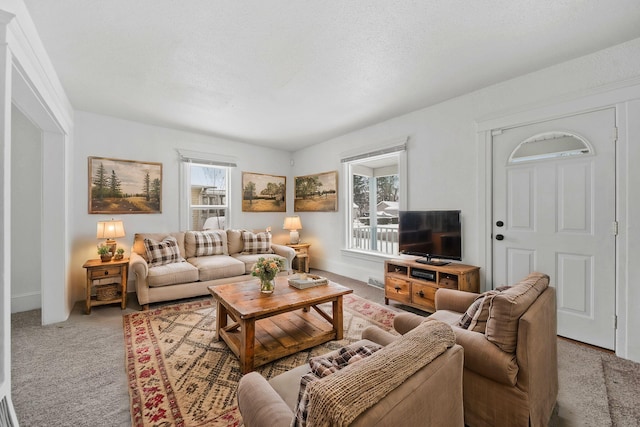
(291, 73)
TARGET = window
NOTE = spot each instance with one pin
(550, 145)
(375, 196)
(208, 189)
(205, 195)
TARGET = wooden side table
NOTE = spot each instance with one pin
(302, 255)
(98, 270)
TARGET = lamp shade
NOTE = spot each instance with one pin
(292, 223)
(110, 229)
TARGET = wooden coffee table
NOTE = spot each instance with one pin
(267, 327)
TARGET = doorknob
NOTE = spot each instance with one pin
(499, 237)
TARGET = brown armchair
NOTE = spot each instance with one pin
(510, 369)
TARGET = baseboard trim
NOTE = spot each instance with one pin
(26, 302)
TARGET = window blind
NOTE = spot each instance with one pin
(210, 159)
(375, 152)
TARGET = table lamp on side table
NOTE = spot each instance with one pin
(293, 224)
(110, 230)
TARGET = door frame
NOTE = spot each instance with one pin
(611, 96)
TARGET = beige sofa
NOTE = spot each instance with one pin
(188, 273)
(510, 351)
(430, 396)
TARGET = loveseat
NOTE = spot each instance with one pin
(169, 266)
(422, 373)
(510, 350)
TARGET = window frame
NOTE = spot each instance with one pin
(395, 149)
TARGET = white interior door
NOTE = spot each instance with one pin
(554, 212)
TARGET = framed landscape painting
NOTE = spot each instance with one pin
(263, 193)
(316, 193)
(124, 186)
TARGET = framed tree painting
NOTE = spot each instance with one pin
(316, 193)
(263, 193)
(124, 186)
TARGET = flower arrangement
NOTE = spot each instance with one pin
(266, 269)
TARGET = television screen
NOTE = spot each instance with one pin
(431, 234)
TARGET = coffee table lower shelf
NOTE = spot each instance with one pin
(281, 335)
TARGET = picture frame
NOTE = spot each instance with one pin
(316, 192)
(263, 192)
(118, 186)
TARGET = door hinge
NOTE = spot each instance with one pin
(614, 134)
(614, 228)
(615, 321)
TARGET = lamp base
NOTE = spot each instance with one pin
(112, 246)
(294, 237)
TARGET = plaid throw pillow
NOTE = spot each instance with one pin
(466, 318)
(259, 243)
(162, 253)
(208, 243)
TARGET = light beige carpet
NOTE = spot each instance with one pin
(179, 375)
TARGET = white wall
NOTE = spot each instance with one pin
(102, 136)
(26, 213)
(445, 160)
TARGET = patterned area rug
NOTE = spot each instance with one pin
(179, 376)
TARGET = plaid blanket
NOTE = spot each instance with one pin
(323, 366)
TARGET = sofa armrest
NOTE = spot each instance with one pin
(378, 336)
(454, 300)
(405, 322)
(140, 269)
(138, 265)
(260, 405)
(286, 252)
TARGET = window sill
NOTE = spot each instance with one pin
(366, 255)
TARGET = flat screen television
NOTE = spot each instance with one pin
(432, 235)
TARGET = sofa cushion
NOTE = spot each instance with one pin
(172, 274)
(205, 243)
(250, 260)
(234, 241)
(140, 248)
(507, 307)
(217, 267)
(256, 243)
(162, 253)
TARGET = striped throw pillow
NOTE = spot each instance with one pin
(162, 253)
(256, 243)
(208, 243)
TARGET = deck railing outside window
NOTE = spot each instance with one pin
(386, 238)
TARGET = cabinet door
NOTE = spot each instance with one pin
(397, 289)
(423, 295)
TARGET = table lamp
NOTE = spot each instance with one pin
(293, 224)
(110, 230)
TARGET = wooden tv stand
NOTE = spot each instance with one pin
(415, 284)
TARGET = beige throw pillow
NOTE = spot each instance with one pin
(507, 307)
(479, 321)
